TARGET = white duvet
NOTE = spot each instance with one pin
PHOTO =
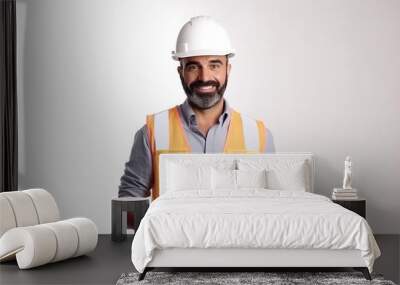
(251, 218)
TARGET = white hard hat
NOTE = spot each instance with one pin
(202, 35)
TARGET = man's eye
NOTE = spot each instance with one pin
(214, 66)
(191, 67)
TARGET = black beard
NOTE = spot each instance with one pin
(207, 100)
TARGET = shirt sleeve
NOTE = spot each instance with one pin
(137, 178)
(270, 146)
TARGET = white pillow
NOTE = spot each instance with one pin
(188, 177)
(251, 178)
(282, 174)
(223, 179)
(293, 179)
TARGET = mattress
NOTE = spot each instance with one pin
(250, 219)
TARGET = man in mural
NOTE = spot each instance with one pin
(204, 122)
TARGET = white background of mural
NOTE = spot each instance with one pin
(323, 75)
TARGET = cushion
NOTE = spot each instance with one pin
(23, 208)
(293, 179)
(223, 179)
(181, 177)
(27, 208)
(67, 237)
(284, 174)
(7, 215)
(87, 232)
(228, 179)
(32, 246)
(40, 244)
(45, 205)
(251, 178)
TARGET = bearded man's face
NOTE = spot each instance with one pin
(204, 79)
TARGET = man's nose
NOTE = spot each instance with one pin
(204, 74)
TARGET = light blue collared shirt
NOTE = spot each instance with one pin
(137, 177)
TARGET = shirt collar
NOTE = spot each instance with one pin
(190, 116)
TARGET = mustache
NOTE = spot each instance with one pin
(200, 83)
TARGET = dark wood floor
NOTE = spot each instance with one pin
(110, 260)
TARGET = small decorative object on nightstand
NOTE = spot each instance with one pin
(347, 196)
(347, 173)
(346, 192)
(120, 206)
(358, 205)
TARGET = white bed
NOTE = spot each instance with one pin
(201, 220)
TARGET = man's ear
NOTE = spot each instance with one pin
(179, 69)
(229, 69)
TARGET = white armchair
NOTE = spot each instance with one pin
(31, 230)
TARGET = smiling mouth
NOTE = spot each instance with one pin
(207, 88)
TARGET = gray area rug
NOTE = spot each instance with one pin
(273, 278)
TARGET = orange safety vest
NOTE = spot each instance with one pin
(167, 135)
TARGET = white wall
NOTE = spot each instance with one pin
(323, 75)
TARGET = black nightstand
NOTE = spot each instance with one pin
(358, 206)
(119, 208)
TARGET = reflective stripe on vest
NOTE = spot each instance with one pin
(167, 135)
(161, 129)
